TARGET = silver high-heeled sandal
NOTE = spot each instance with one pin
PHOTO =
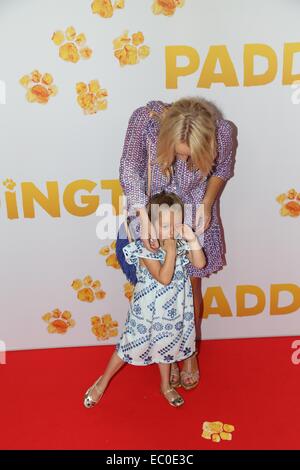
(192, 375)
(88, 401)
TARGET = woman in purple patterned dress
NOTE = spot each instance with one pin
(191, 154)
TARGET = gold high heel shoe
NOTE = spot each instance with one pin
(175, 373)
(192, 375)
(175, 401)
(88, 401)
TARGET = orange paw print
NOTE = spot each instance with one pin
(166, 7)
(128, 50)
(58, 321)
(104, 327)
(88, 290)
(217, 431)
(290, 203)
(39, 87)
(128, 290)
(111, 257)
(74, 48)
(9, 184)
(105, 8)
(91, 98)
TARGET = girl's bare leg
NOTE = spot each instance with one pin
(164, 370)
(170, 393)
(115, 363)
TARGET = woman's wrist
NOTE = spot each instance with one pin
(208, 202)
(192, 239)
(194, 243)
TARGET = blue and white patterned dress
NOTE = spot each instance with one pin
(160, 324)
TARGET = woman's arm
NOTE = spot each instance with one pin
(223, 167)
(134, 159)
(196, 256)
(132, 169)
(214, 186)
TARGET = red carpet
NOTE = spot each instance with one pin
(249, 383)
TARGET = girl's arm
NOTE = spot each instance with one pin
(163, 272)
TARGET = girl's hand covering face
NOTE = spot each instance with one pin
(148, 234)
(169, 244)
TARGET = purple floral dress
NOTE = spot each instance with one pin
(189, 185)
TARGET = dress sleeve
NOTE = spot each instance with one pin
(134, 159)
(183, 248)
(135, 250)
(223, 165)
(130, 252)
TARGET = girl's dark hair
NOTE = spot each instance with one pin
(164, 198)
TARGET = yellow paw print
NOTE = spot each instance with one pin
(39, 87)
(88, 290)
(129, 54)
(75, 47)
(128, 290)
(105, 8)
(91, 98)
(111, 257)
(9, 184)
(58, 321)
(290, 203)
(217, 431)
(166, 7)
(104, 327)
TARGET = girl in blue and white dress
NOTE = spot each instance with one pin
(160, 324)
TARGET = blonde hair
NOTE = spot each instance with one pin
(191, 121)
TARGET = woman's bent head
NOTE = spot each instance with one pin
(187, 127)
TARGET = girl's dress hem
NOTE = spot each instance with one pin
(134, 363)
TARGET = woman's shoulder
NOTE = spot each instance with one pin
(146, 117)
(140, 112)
(224, 129)
(222, 123)
(149, 108)
(157, 105)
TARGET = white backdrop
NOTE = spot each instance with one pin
(57, 144)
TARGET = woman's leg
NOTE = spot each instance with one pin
(191, 364)
(198, 304)
(174, 375)
(115, 363)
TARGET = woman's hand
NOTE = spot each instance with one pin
(186, 232)
(203, 217)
